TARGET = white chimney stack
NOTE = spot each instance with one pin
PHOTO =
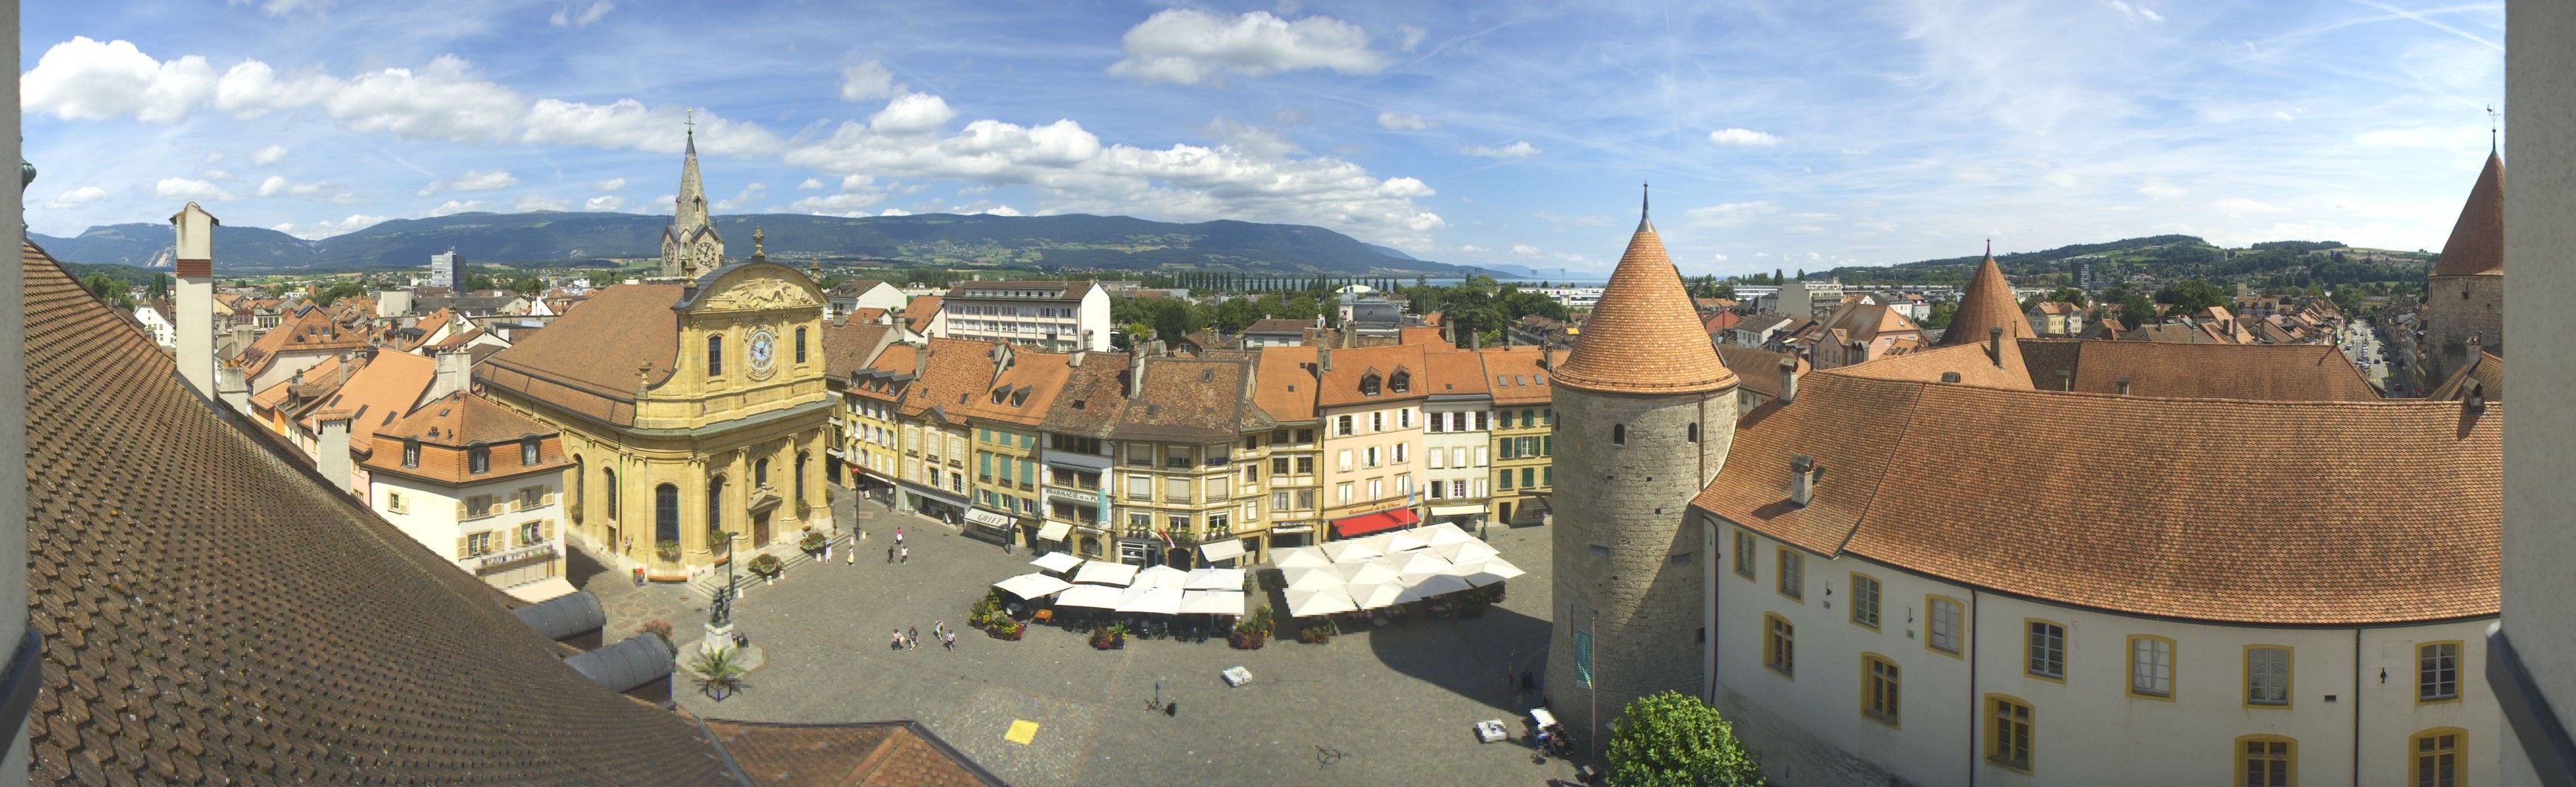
(1788, 380)
(454, 368)
(233, 387)
(196, 302)
(331, 449)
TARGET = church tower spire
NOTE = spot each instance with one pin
(690, 246)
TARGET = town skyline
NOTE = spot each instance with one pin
(1469, 137)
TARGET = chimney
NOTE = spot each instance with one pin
(241, 337)
(2124, 385)
(921, 362)
(331, 451)
(2476, 403)
(1324, 358)
(348, 363)
(233, 387)
(2065, 379)
(1995, 344)
(1074, 359)
(1788, 380)
(1475, 340)
(1136, 370)
(454, 368)
(195, 266)
(1804, 474)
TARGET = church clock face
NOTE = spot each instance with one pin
(764, 350)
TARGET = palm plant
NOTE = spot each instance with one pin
(717, 672)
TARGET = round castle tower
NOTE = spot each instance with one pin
(2464, 293)
(1645, 412)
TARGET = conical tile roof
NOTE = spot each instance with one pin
(1987, 303)
(1643, 336)
(2477, 240)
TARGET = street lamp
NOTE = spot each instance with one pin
(721, 612)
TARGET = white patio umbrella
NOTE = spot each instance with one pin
(1434, 585)
(1404, 541)
(1103, 573)
(1151, 601)
(1352, 551)
(1371, 572)
(1326, 601)
(1443, 534)
(1215, 579)
(1375, 595)
(1418, 563)
(1313, 578)
(1160, 576)
(1032, 586)
(1090, 597)
(1212, 602)
(1481, 574)
(1299, 557)
(1057, 562)
(1383, 542)
(1467, 551)
(1502, 568)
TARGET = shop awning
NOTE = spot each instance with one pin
(1364, 524)
(1054, 530)
(987, 518)
(1465, 510)
(1228, 549)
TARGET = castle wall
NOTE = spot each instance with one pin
(2458, 307)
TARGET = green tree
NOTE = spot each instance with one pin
(1671, 738)
(2193, 296)
(2137, 311)
(109, 289)
(337, 291)
(160, 287)
(1942, 312)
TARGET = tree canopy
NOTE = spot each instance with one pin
(1671, 738)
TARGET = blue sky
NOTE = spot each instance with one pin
(1777, 134)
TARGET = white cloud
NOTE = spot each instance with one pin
(996, 210)
(894, 212)
(483, 180)
(185, 188)
(810, 184)
(324, 229)
(1729, 213)
(76, 197)
(83, 79)
(612, 184)
(2240, 206)
(858, 183)
(1410, 35)
(566, 17)
(453, 207)
(1189, 46)
(1398, 121)
(278, 185)
(1717, 257)
(837, 204)
(268, 155)
(284, 7)
(2140, 12)
(1469, 248)
(443, 100)
(751, 195)
(912, 113)
(1525, 250)
(628, 125)
(867, 81)
(604, 202)
(1742, 136)
(534, 202)
(2159, 189)
(1521, 149)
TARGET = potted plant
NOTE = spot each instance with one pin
(717, 672)
(1253, 631)
(1006, 628)
(1110, 637)
(662, 629)
(767, 566)
(804, 509)
(667, 550)
(812, 542)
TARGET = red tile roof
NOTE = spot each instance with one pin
(588, 360)
(1986, 303)
(1284, 385)
(2476, 247)
(2273, 372)
(1519, 373)
(1643, 336)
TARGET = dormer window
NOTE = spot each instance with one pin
(528, 452)
(1401, 382)
(1369, 385)
(478, 459)
(411, 452)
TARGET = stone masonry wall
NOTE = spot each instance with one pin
(2451, 319)
(1630, 503)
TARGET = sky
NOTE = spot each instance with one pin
(1790, 134)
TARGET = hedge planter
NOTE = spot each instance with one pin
(812, 543)
(1007, 629)
(767, 566)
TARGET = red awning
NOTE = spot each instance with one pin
(1364, 524)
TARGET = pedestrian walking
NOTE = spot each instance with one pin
(898, 536)
(949, 641)
(905, 555)
(850, 557)
(889, 554)
(896, 643)
(912, 639)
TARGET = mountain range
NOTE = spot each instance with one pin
(1078, 241)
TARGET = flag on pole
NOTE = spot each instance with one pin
(1583, 659)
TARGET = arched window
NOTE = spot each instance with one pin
(760, 472)
(715, 355)
(608, 487)
(580, 487)
(1618, 434)
(800, 344)
(1694, 433)
(666, 514)
(715, 503)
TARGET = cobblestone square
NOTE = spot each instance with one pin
(1392, 705)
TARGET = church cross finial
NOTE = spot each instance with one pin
(1645, 208)
(2494, 127)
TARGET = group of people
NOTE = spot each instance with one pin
(910, 638)
(898, 553)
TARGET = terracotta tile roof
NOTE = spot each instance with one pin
(278, 393)
(1022, 393)
(918, 313)
(384, 390)
(1458, 373)
(1519, 373)
(350, 655)
(1284, 386)
(1974, 364)
(1719, 322)
(850, 345)
(2484, 374)
(307, 331)
(1341, 384)
(867, 314)
(2476, 247)
(1643, 336)
(1426, 335)
(448, 426)
(1986, 303)
(1278, 326)
(2267, 372)
(587, 360)
(1191, 399)
(955, 374)
(2164, 526)
(1094, 397)
(889, 754)
(1760, 368)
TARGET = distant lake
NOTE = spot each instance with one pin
(1525, 282)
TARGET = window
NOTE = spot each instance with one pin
(1400, 451)
(1780, 645)
(411, 452)
(1345, 460)
(1400, 382)
(2437, 757)
(2437, 671)
(2047, 645)
(800, 344)
(1377, 488)
(1278, 501)
(1342, 426)
(1343, 490)
(715, 355)
(1404, 417)
(1879, 690)
(1529, 477)
(2151, 667)
(1377, 422)
(1793, 574)
(527, 452)
(1438, 459)
(608, 490)
(1140, 487)
(1507, 478)
(1618, 434)
(478, 544)
(2009, 742)
(2266, 760)
(1370, 456)
(394, 502)
(2267, 675)
(1693, 433)
(1946, 614)
(1864, 601)
(1368, 385)
(1279, 466)
(478, 459)
(1305, 465)
(531, 532)
(1744, 554)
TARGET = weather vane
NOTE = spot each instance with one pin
(2495, 125)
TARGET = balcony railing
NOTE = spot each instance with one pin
(466, 512)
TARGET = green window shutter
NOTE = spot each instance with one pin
(1547, 446)
(1028, 471)
(1528, 474)
(1547, 475)
(983, 464)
